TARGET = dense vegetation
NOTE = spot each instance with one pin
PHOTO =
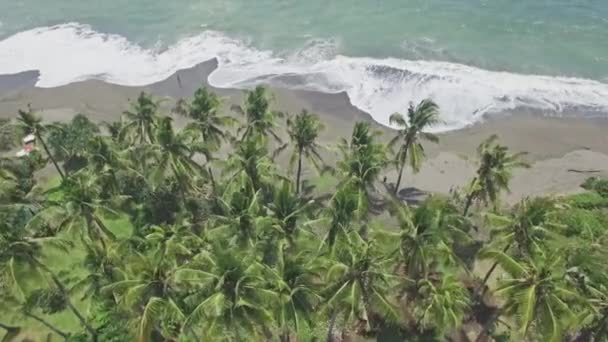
(155, 234)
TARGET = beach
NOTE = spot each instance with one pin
(563, 151)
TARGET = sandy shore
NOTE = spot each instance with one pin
(563, 151)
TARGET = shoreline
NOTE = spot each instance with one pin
(555, 144)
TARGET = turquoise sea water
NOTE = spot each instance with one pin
(550, 54)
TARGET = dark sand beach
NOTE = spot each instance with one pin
(563, 151)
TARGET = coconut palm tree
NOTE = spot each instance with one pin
(358, 282)
(260, 120)
(441, 304)
(426, 236)
(31, 123)
(341, 214)
(145, 287)
(294, 277)
(204, 110)
(251, 158)
(18, 251)
(411, 133)
(140, 120)
(303, 130)
(228, 297)
(288, 208)
(241, 217)
(173, 153)
(537, 294)
(494, 173)
(79, 205)
(526, 232)
(362, 161)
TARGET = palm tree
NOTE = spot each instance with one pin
(140, 121)
(251, 158)
(260, 120)
(537, 295)
(341, 214)
(80, 204)
(18, 251)
(441, 304)
(227, 295)
(173, 153)
(204, 111)
(145, 287)
(241, 217)
(410, 134)
(303, 130)
(31, 123)
(294, 278)
(494, 173)
(358, 284)
(526, 231)
(288, 208)
(426, 236)
(362, 161)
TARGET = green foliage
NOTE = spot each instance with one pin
(599, 185)
(69, 142)
(588, 200)
(579, 222)
(9, 135)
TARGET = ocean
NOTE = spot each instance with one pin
(473, 57)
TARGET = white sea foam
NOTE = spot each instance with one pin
(73, 52)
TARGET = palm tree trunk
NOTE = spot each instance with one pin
(284, 337)
(7, 327)
(470, 197)
(48, 152)
(330, 328)
(47, 324)
(103, 228)
(299, 174)
(11, 332)
(66, 295)
(400, 175)
(483, 287)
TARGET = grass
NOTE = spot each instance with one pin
(63, 264)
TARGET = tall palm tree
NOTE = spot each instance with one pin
(251, 158)
(358, 284)
(106, 160)
(204, 110)
(145, 287)
(79, 205)
(341, 214)
(31, 123)
(526, 232)
(140, 120)
(362, 161)
(537, 295)
(241, 217)
(260, 120)
(174, 154)
(18, 251)
(410, 133)
(303, 130)
(441, 304)
(227, 295)
(426, 236)
(494, 173)
(288, 208)
(295, 279)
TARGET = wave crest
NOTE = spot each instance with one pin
(74, 52)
